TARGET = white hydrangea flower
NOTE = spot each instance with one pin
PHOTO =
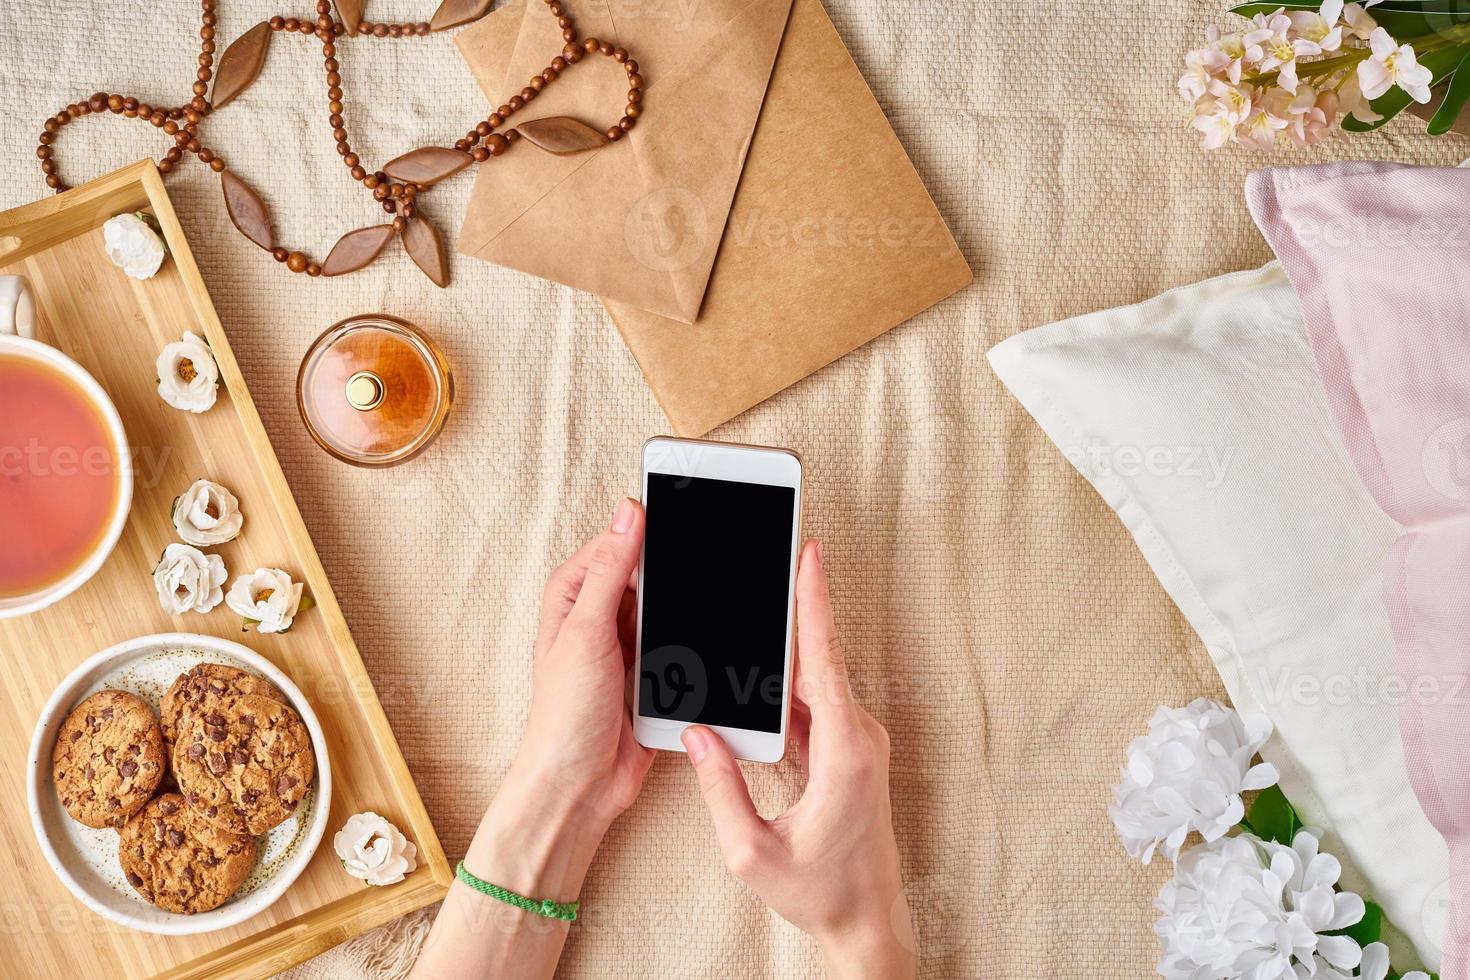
(188, 377)
(266, 597)
(132, 245)
(1245, 907)
(1187, 774)
(188, 580)
(207, 514)
(1375, 965)
(374, 850)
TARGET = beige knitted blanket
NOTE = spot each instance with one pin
(999, 620)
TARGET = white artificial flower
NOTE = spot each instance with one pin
(1271, 115)
(1393, 64)
(207, 514)
(17, 307)
(1375, 965)
(188, 377)
(1245, 907)
(1200, 67)
(1232, 102)
(374, 850)
(1317, 31)
(188, 580)
(1218, 130)
(1352, 102)
(1273, 32)
(1234, 49)
(1360, 23)
(1313, 115)
(132, 245)
(1187, 774)
(267, 598)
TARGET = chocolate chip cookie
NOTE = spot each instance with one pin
(108, 759)
(244, 763)
(206, 682)
(179, 861)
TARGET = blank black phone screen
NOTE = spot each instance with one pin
(716, 572)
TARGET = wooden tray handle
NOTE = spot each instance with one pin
(42, 224)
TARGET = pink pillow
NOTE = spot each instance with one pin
(1379, 255)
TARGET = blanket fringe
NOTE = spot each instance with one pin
(386, 953)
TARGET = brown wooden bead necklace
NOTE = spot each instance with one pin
(401, 181)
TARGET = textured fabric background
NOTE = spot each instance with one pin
(999, 620)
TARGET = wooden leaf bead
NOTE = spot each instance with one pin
(422, 242)
(452, 13)
(350, 13)
(356, 249)
(427, 165)
(561, 135)
(240, 65)
(247, 211)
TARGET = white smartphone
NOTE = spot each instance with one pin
(716, 594)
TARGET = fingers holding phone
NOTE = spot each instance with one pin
(830, 864)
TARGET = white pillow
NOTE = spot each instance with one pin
(1199, 417)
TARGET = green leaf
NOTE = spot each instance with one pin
(1412, 25)
(1405, 21)
(307, 602)
(1271, 817)
(1251, 9)
(1366, 930)
(1441, 64)
(1454, 100)
(1449, 5)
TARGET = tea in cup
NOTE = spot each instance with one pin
(65, 475)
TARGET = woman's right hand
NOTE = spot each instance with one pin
(829, 865)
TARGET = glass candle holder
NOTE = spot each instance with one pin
(374, 390)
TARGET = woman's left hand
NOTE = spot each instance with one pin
(577, 769)
(579, 742)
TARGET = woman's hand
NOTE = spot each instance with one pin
(576, 770)
(829, 865)
(578, 741)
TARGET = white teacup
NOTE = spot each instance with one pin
(16, 319)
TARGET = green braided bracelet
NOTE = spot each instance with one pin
(565, 911)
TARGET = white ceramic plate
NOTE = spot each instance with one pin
(86, 859)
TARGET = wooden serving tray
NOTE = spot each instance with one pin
(115, 326)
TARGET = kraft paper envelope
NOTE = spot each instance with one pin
(831, 239)
(707, 66)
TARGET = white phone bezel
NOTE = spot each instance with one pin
(741, 464)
